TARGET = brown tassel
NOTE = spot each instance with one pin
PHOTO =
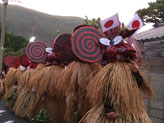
(56, 108)
(24, 79)
(44, 81)
(146, 88)
(2, 88)
(7, 96)
(21, 78)
(22, 92)
(72, 83)
(142, 82)
(18, 74)
(41, 86)
(10, 78)
(117, 84)
(96, 115)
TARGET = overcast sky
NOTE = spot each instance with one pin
(92, 8)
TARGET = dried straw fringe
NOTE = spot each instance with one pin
(56, 109)
(6, 96)
(72, 83)
(25, 77)
(18, 74)
(44, 81)
(9, 81)
(2, 88)
(95, 115)
(146, 88)
(21, 91)
(43, 84)
(117, 83)
(21, 83)
(76, 74)
(10, 78)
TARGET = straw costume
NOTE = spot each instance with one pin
(51, 98)
(12, 62)
(115, 90)
(20, 106)
(75, 77)
(10, 83)
(23, 96)
(73, 81)
(21, 91)
(11, 80)
(14, 72)
(40, 90)
(45, 95)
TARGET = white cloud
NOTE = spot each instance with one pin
(92, 8)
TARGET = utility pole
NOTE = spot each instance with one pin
(3, 33)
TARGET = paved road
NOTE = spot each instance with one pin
(7, 116)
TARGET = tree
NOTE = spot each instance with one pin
(14, 44)
(154, 13)
(94, 22)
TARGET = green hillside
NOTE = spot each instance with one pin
(24, 21)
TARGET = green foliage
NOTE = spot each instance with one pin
(94, 22)
(154, 13)
(77, 116)
(42, 117)
(12, 97)
(14, 44)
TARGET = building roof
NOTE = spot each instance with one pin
(152, 34)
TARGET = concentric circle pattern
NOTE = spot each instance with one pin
(63, 49)
(35, 51)
(86, 45)
(24, 61)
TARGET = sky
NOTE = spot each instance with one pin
(92, 8)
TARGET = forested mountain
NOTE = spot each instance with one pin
(43, 26)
